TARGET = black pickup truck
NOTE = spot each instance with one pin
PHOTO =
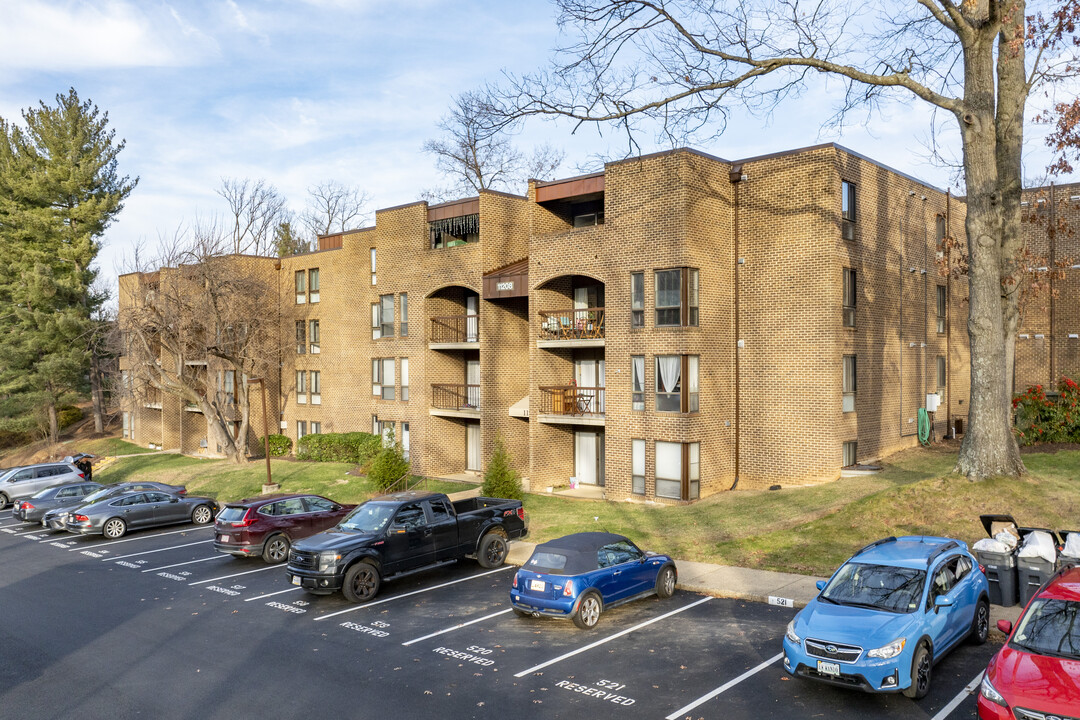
(402, 533)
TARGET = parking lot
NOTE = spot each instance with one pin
(159, 625)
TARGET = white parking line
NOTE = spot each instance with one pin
(608, 639)
(681, 712)
(189, 562)
(414, 592)
(279, 592)
(961, 697)
(458, 626)
(32, 532)
(151, 552)
(148, 537)
(226, 577)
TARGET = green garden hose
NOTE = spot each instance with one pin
(924, 427)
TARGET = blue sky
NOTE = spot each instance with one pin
(303, 91)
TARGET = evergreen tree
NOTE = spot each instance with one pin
(59, 191)
(500, 478)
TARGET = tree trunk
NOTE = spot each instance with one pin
(54, 424)
(96, 393)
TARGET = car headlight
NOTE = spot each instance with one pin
(327, 560)
(791, 634)
(888, 651)
(988, 691)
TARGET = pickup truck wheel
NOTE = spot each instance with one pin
(588, 612)
(276, 549)
(665, 582)
(361, 582)
(921, 666)
(493, 550)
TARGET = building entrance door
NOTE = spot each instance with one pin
(473, 461)
(589, 457)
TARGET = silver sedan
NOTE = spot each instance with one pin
(114, 516)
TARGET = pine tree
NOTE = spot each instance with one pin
(59, 192)
(500, 479)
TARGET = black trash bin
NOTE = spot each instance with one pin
(1033, 572)
(1000, 568)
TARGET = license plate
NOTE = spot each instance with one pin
(223, 538)
(537, 585)
(296, 581)
(828, 668)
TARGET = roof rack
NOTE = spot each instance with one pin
(944, 548)
(874, 544)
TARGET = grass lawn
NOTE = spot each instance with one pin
(106, 446)
(224, 481)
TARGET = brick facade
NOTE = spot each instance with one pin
(765, 235)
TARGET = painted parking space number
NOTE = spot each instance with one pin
(781, 601)
(606, 690)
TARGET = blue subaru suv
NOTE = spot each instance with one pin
(888, 614)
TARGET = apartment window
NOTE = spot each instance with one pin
(382, 378)
(637, 300)
(677, 293)
(405, 440)
(301, 287)
(376, 322)
(587, 214)
(386, 304)
(850, 453)
(372, 266)
(313, 285)
(301, 387)
(941, 307)
(678, 470)
(941, 380)
(940, 231)
(637, 365)
(301, 339)
(847, 210)
(316, 428)
(404, 314)
(316, 387)
(301, 428)
(671, 370)
(849, 297)
(127, 425)
(637, 452)
(455, 231)
(313, 336)
(230, 387)
(404, 379)
(849, 384)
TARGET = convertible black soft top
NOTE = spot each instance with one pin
(578, 551)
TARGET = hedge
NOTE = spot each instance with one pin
(354, 447)
(68, 415)
(280, 445)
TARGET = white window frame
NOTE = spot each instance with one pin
(405, 379)
(316, 387)
(313, 285)
(301, 387)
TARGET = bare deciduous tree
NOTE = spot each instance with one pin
(682, 63)
(473, 159)
(255, 210)
(333, 207)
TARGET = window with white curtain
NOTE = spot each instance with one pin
(313, 336)
(376, 322)
(637, 448)
(404, 379)
(388, 378)
(669, 469)
(316, 387)
(372, 266)
(301, 429)
(637, 365)
(668, 383)
(850, 386)
(301, 387)
(405, 439)
(404, 314)
(313, 285)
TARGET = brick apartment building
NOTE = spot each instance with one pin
(661, 328)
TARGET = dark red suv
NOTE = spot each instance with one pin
(1036, 675)
(268, 525)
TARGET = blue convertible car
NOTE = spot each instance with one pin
(879, 625)
(579, 576)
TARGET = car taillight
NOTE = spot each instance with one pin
(25, 505)
(82, 475)
(982, 568)
(182, 491)
(248, 519)
(568, 589)
(81, 518)
(515, 579)
(521, 512)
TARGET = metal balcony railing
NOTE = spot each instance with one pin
(571, 400)
(584, 324)
(455, 397)
(455, 329)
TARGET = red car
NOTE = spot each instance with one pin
(268, 525)
(1036, 674)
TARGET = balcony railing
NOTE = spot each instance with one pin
(584, 324)
(571, 400)
(455, 329)
(455, 397)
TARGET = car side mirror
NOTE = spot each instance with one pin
(1004, 626)
(398, 529)
(941, 601)
(821, 584)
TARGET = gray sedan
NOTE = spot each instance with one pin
(114, 516)
(34, 508)
(57, 518)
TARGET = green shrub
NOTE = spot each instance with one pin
(1040, 419)
(68, 415)
(500, 479)
(356, 447)
(280, 445)
(13, 438)
(388, 467)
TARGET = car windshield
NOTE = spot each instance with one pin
(1050, 627)
(371, 517)
(102, 493)
(882, 587)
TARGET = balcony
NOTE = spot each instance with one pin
(454, 332)
(580, 328)
(456, 401)
(571, 405)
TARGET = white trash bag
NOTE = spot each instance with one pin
(1008, 539)
(991, 545)
(1072, 546)
(1039, 544)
